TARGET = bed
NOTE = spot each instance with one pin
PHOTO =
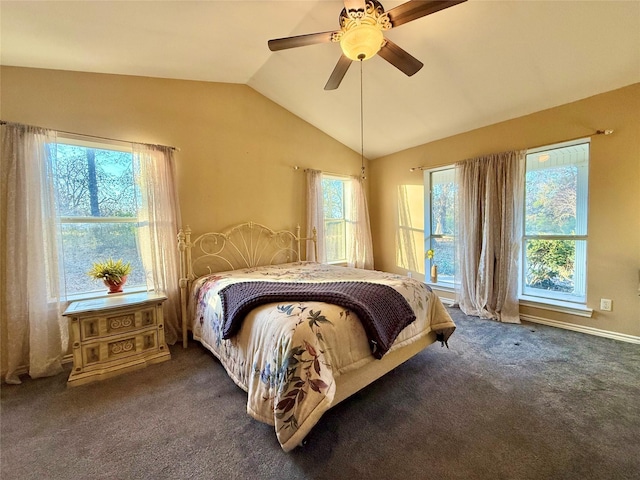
(248, 296)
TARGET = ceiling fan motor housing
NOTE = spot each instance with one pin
(361, 30)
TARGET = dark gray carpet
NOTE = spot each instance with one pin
(504, 402)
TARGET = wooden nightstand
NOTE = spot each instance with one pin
(116, 334)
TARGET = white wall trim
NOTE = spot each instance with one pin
(447, 301)
(558, 306)
(580, 328)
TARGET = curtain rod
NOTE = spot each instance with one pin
(597, 132)
(296, 167)
(3, 122)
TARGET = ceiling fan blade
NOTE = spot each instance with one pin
(338, 73)
(299, 41)
(415, 9)
(399, 58)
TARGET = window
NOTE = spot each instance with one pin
(440, 192)
(554, 247)
(98, 212)
(336, 194)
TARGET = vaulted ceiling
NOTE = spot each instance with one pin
(484, 61)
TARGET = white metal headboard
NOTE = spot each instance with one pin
(243, 246)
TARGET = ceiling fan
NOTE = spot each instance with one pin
(360, 36)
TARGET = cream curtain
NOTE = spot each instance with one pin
(34, 333)
(159, 220)
(315, 214)
(488, 235)
(359, 243)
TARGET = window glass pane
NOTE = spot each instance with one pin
(444, 249)
(556, 191)
(85, 243)
(442, 202)
(333, 196)
(334, 232)
(551, 201)
(94, 182)
(550, 265)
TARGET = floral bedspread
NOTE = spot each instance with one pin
(287, 355)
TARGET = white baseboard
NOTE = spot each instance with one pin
(447, 301)
(579, 328)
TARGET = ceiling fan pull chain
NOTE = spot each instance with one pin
(361, 126)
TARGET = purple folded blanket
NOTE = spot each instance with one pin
(382, 310)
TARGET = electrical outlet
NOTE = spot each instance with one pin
(606, 305)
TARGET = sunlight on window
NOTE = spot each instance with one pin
(410, 234)
(335, 193)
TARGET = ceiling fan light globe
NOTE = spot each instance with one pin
(362, 42)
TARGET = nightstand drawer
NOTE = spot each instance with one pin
(121, 347)
(117, 323)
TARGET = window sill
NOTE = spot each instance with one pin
(339, 263)
(557, 306)
(442, 287)
(100, 294)
(534, 302)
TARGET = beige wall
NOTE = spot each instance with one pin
(237, 148)
(613, 262)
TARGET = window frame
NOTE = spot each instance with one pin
(73, 140)
(549, 297)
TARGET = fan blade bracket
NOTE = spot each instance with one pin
(301, 40)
